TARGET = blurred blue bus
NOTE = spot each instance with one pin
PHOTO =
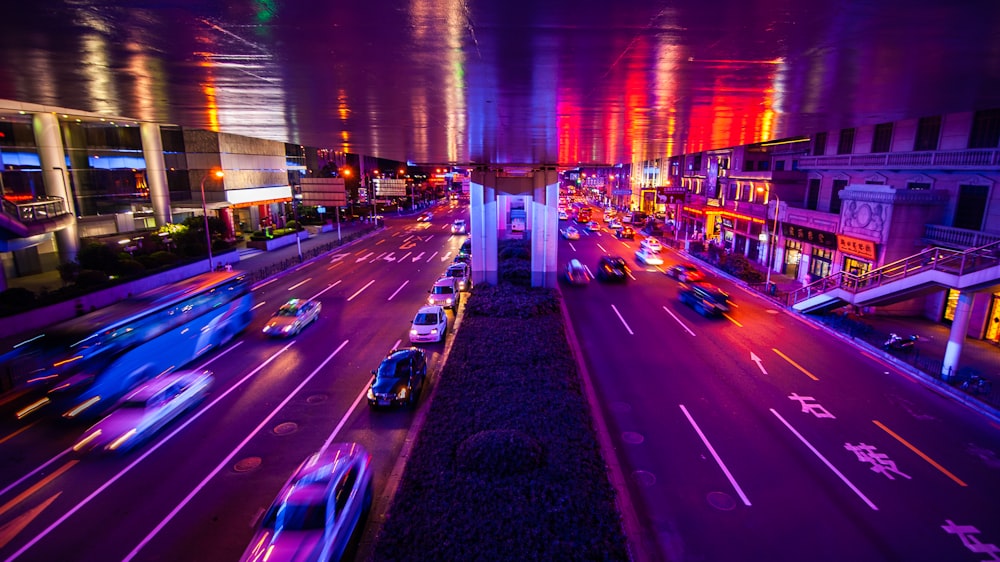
(86, 364)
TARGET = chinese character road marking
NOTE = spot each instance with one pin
(965, 533)
(814, 409)
(880, 461)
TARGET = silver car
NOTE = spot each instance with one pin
(292, 316)
(459, 271)
(444, 293)
(319, 510)
(146, 410)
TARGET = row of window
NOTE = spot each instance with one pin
(985, 133)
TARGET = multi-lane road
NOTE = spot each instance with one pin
(758, 436)
(751, 437)
(196, 491)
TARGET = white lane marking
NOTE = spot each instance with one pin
(826, 462)
(338, 257)
(718, 459)
(350, 298)
(396, 345)
(299, 284)
(674, 316)
(364, 257)
(148, 452)
(398, 290)
(347, 416)
(328, 287)
(258, 305)
(225, 462)
(445, 257)
(571, 246)
(404, 257)
(378, 257)
(601, 247)
(630, 275)
(265, 283)
(407, 239)
(623, 320)
(432, 257)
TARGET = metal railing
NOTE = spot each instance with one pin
(38, 209)
(939, 259)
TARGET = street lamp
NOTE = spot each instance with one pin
(771, 252)
(204, 212)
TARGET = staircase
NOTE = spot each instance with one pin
(972, 270)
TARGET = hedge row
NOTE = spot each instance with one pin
(506, 466)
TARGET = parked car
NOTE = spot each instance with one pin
(399, 378)
(459, 227)
(652, 244)
(685, 272)
(576, 273)
(146, 410)
(648, 257)
(466, 248)
(292, 316)
(570, 233)
(705, 298)
(444, 293)
(612, 268)
(319, 511)
(462, 274)
(429, 325)
(626, 232)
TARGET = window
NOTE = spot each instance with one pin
(918, 186)
(846, 143)
(812, 195)
(838, 186)
(985, 129)
(971, 206)
(748, 165)
(928, 131)
(779, 165)
(763, 165)
(883, 138)
(819, 144)
(820, 263)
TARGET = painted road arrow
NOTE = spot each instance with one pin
(757, 360)
(418, 256)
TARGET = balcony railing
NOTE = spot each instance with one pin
(938, 159)
(959, 238)
(38, 209)
(940, 259)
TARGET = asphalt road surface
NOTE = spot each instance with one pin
(758, 436)
(197, 489)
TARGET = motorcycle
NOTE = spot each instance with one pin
(899, 343)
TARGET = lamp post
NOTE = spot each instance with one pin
(771, 252)
(204, 212)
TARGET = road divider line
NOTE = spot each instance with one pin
(328, 287)
(826, 462)
(368, 284)
(920, 453)
(715, 455)
(432, 257)
(18, 432)
(794, 364)
(678, 320)
(258, 305)
(398, 290)
(299, 284)
(225, 462)
(624, 323)
(733, 320)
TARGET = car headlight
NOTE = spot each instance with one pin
(287, 329)
(448, 300)
(267, 328)
(413, 332)
(402, 393)
(433, 331)
(371, 395)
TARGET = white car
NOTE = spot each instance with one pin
(292, 316)
(321, 508)
(458, 227)
(429, 325)
(651, 244)
(563, 215)
(444, 293)
(648, 257)
(570, 233)
(146, 410)
(615, 224)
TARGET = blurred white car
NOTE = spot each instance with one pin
(429, 325)
(459, 227)
(652, 244)
(292, 316)
(461, 273)
(615, 224)
(319, 510)
(563, 215)
(648, 257)
(570, 233)
(146, 410)
(592, 226)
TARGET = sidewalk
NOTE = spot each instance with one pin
(868, 332)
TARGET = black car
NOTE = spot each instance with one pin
(705, 298)
(399, 378)
(612, 268)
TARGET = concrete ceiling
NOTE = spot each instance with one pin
(559, 82)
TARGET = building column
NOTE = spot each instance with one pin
(483, 231)
(53, 160)
(956, 337)
(156, 172)
(544, 225)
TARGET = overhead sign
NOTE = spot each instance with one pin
(323, 191)
(389, 187)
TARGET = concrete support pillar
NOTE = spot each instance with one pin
(483, 232)
(156, 172)
(53, 161)
(544, 226)
(779, 257)
(956, 337)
